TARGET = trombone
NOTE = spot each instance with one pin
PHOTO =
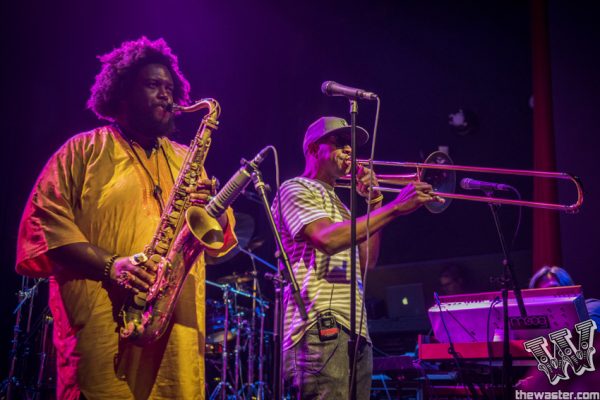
(440, 172)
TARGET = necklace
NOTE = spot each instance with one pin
(156, 189)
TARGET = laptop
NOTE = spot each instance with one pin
(405, 300)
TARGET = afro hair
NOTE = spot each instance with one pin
(119, 68)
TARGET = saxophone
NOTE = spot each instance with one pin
(174, 247)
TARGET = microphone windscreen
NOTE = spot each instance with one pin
(465, 183)
(325, 87)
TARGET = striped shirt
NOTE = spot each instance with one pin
(324, 280)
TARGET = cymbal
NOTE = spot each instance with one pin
(255, 243)
(217, 337)
(235, 279)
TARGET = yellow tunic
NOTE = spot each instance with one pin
(95, 190)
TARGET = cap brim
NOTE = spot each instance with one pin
(362, 136)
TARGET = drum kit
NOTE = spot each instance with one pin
(235, 325)
(236, 343)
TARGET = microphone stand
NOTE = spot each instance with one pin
(353, 336)
(286, 274)
(509, 282)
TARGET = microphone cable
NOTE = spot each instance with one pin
(489, 344)
(519, 217)
(452, 350)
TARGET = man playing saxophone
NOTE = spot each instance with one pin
(92, 211)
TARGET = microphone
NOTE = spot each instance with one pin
(331, 88)
(235, 186)
(472, 184)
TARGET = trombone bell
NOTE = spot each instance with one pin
(441, 180)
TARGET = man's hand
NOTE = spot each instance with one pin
(365, 179)
(413, 196)
(202, 193)
(134, 275)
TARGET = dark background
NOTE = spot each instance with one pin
(264, 62)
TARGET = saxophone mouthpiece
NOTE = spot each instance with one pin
(172, 107)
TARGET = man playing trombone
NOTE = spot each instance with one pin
(315, 229)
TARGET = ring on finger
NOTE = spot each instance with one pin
(124, 279)
(138, 258)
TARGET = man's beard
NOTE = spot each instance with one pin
(144, 122)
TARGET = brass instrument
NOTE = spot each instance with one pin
(183, 232)
(439, 171)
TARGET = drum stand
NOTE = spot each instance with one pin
(221, 389)
(236, 352)
(252, 389)
(260, 385)
(260, 394)
(47, 323)
(13, 386)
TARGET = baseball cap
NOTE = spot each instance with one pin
(325, 126)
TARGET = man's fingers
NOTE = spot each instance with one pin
(138, 284)
(428, 197)
(151, 266)
(203, 195)
(410, 190)
(204, 184)
(143, 278)
(201, 186)
(424, 187)
(194, 190)
(360, 171)
(366, 180)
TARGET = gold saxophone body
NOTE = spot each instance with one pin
(183, 233)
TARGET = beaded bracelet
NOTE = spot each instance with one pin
(108, 266)
(375, 200)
